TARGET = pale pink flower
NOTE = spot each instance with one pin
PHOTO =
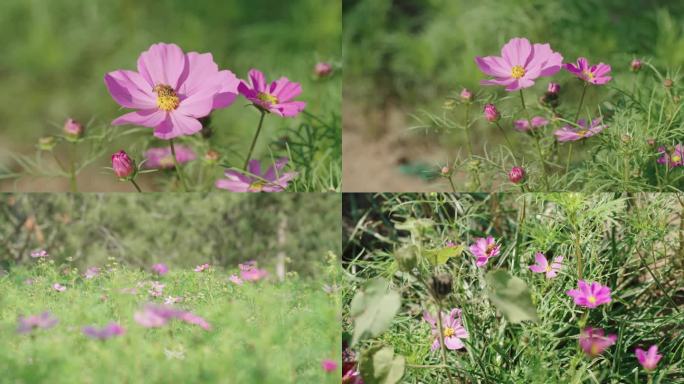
(58, 287)
(202, 268)
(39, 253)
(571, 133)
(235, 279)
(250, 272)
(44, 321)
(452, 329)
(106, 332)
(542, 265)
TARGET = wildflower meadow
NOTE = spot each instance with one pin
(513, 288)
(513, 95)
(229, 99)
(126, 303)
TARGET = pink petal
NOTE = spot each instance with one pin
(541, 260)
(517, 51)
(494, 66)
(453, 342)
(177, 124)
(232, 185)
(201, 75)
(147, 118)
(130, 90)
(257, 80)
(228, 91)
(285, 90)
(289, 109)
(164, 64)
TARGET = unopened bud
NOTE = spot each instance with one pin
(466, 95)
(441, 285)
(46, 143)
(124, 166)
(491, 114)
(668, 83)
(73, 129)
(635, 65)
(323, 69)
(516, 175)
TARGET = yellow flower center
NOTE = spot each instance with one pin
(490, 247)
(167, 99)
(257, 186)
(588, 75)
(548, 268)
(676, 158)
(591, 299)
(517, 71)
(448, 332)
(594, 350)
(267, 98)
(582, 132)
(166, 161)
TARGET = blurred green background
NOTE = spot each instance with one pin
(56, 53)
(404, 55)
(183, 230)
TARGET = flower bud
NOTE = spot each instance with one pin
(635, 65)
(516, 175)
(668, 83)
(124, 166)
(211, 157)
(553, 88)
(73, 129)
(323, 69)
(466, 95)
(650, 141)
(406, 257)
(441, 285)
(46, 143)
(491, 114)
(445, 171)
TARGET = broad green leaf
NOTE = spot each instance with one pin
(373, 309)
(511, 296)
(379, 365)
(440, 256)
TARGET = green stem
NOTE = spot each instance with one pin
(179, 172)
(453, 187)
(579, 107)
(578, 254)
(136, 185)
(504, 135)
(467, 130)
(256, 136)
(567, 162)
(72, 171)
(442, 346)
(536, 138)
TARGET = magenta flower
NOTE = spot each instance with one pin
(329, 365)
(235, 279)
(323, 69)
(649, 359)
(491, 114)
(39, 253)
(191, 318)
(155, 316)
(520, 64)
(254, 181)
(595, 74)
(171, 90)
(673, 159)
(593, 342)
(73, 128)
(91, 272)
(44, 321)
(58, 287)
(104, 333)
(162, 158)
(350, 372)
(250, 272)
(516, 175)
(274, 97)
(202, 268)
(590, 295)
(123, 165)
(635, 65)
(483, 249)
(542, 265)
(160, 269)
(571, 133)
(453, 330)
(524, 126)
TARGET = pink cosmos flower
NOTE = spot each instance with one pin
(590, 295)
(44, 321)
(172, 300)
(542, 265)
(58, 287)
(274, 97)
(235, 279)
(524, 126)
(191, 318)
(160, 269)
(323, 69)
(155, 316)
(38, 253)
(91, 272)
(466, 95)
(571, 133)
(161, 158)
(329, 365)
(350, 372)
(156, 289)
(250, 272)
(453, 330)
(171, 90)
(73, 128)
(595, 74)
(673, 159)
(483, 249)
(104, 333)
(649, 359)
(593, 342)
(202, 268)
(520, 64)
(272, 180)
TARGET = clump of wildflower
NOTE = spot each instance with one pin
(483, 249)
(250, 272)
(543, 266)
(452, 329)
(590, 295)
(39, 253)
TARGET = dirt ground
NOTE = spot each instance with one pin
(373, 152)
